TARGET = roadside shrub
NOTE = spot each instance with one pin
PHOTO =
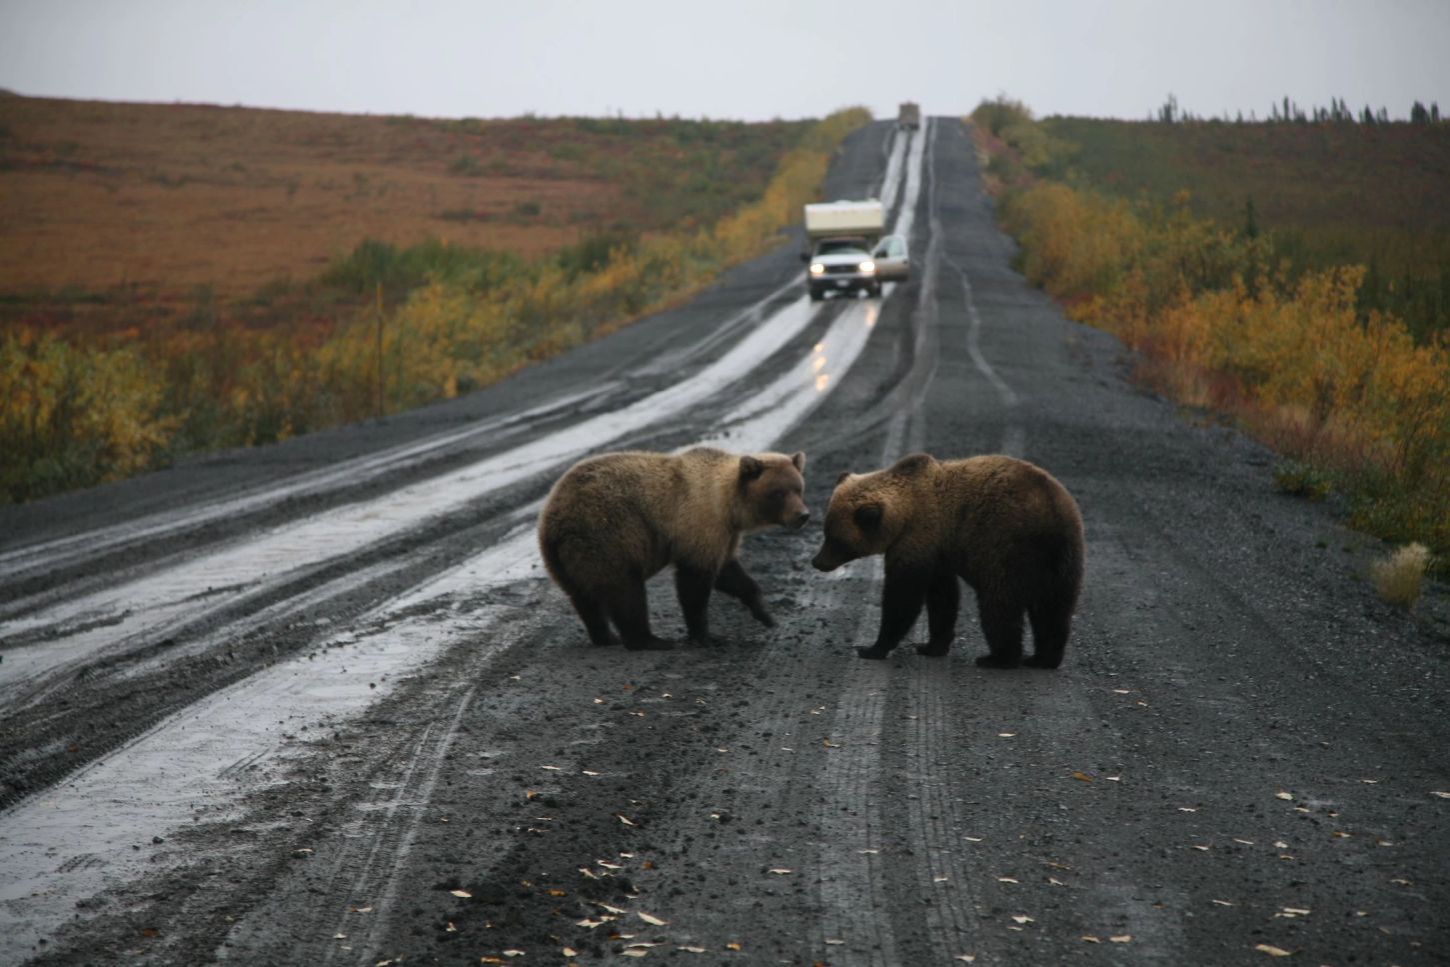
(1400, 578)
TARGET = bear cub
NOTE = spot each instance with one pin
(615, 520)
(1003, 525)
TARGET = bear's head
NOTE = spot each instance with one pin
(771, 489)
(868, 511)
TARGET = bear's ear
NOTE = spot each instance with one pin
(868, 516)
(750, 468)
(913, 464)
(842, 478)
(799, 459)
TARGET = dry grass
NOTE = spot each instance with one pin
(107, 203)
(1400, 577)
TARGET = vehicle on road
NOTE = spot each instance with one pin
(908, 116)
(892, 258)
(843, 234)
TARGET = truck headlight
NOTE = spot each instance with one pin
(817, 269)
(867, 268)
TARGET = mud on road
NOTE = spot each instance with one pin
(318, 703)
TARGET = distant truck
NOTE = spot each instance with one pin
(842, 234)
(908, 116)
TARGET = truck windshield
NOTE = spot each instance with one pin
(836, 247)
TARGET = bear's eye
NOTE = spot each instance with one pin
(867, 516)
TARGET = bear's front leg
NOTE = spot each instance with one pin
(693, 585)
(943, 600)
(733, 580)
(901, 602)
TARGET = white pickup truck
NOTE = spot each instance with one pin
(848, 253)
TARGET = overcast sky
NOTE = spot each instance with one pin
(755, 59)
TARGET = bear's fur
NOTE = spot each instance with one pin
(613, 521)
(1003, 525)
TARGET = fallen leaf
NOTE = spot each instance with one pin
(1280, 844)
(1223, 903)
(1055, 881)
(699, 950)
(591, 772)
(531, 794)
(1288, 796)
(609, 866)
(1082, 776)
(451, 928)
(1245, 842)
(1113, 778)
(1440, 795)
(1022, 918)
(1006, 735)
(781, 871)
(1383, 842)
(1341, 834)
(652, 920)
(589, 924)
(609, 909)
(873, 852)
(1202, 849)
(513, 953)
(569, 952)
(829, 744)
(835, 943)
(733, 945)
(461, 893)
(1400, 881)
(1272, 951)
(1122, 938)
(940, 879)
(553, 768)
(967, 958)
(557, 892)
(624, 819)
(1006, 879)
(1089, 938)
(339, 936)
(1187, 809)
(972, 839)
(636, 952)
(1123, 691)
(588, 872)
(1370, 782)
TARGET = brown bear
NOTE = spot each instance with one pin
(1003, 525)
(613, 521)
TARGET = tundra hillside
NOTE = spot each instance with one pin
(1294, 275)
(184, 277)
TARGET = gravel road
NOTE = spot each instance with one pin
(318, 703)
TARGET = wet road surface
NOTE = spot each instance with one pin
(318, 703)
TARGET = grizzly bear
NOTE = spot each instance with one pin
(1003, 525)
(613, 521)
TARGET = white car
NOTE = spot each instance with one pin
(893, 263)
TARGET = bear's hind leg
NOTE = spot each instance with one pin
(693, 585)
(629, 610)
(1002, 624)
(596, 621)
(1050, 627)
(943, 600)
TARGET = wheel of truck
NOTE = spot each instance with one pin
(876, 290)
(816, 294)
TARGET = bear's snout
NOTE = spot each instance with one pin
(822, 562)
(800, 519)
